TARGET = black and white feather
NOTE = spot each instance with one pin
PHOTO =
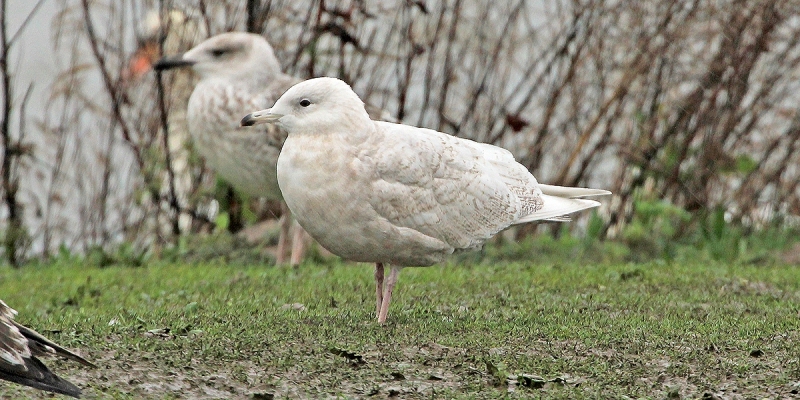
(20, 348)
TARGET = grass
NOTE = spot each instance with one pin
(689, 329)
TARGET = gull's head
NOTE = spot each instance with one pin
(232, 55)
(314, 106)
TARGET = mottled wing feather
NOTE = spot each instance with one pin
(13, 345)
(444, 187)
(518, 179)
(36, 375)
(41, 346)
(18, 347)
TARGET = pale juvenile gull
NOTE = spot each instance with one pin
(238, 72)
(19, 347)
(381, 192)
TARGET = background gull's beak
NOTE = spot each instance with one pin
(260, 117)
(172, 62)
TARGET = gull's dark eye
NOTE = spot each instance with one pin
(305, 103)
(218, 52)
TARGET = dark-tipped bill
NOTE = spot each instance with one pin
(260, 117)
(172, 62)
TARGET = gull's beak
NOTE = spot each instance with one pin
(260, 117)
(172, 62)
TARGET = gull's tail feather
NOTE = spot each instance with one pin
(557, 208)
(40, 345)
(38, 376)
(571, 192)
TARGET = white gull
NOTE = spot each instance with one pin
(395, 194)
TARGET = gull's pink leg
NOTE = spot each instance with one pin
(379, 287)
(299, 242)
(286, 225)
(387, 297)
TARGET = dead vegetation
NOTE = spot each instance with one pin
(691, 102)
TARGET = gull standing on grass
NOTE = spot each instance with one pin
(395, 194)
(19, 347)
(238, 73)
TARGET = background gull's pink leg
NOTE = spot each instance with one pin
(378, 287)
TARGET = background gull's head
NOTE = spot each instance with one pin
(234, 55)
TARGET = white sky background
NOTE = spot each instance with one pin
(33, 61)
(32, 56)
